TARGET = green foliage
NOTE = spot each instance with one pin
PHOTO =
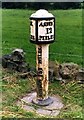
(71, 94)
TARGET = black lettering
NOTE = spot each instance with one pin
(39, 60)
(31, 24)
(52, 36)
(49, 37)
(41, 24)
(40, 49)
(32, 37)
(48, 30)
(46, 24)
(40, 74)
(41, 38)
(40, 71)
(39, 84)
(46, 38)
(50, 23)
(40, 55)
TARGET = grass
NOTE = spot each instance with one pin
(15, 34)
(13, 88)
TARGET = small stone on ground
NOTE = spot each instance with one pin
(43, 112)
(28, 108)
(55, 112)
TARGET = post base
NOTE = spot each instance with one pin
(45, 102)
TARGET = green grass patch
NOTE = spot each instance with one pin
(16, 34)
(14, 88)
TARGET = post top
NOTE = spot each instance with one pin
(42, 13)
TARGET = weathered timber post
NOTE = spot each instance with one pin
(42, 25)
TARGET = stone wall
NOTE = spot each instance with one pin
(63, 72)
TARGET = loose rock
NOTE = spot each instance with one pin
(69, 70)
(62, 72)
(54, 71)
(15, 61)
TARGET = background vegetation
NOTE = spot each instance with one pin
(40, 5)
(68, 43)
(66, 48)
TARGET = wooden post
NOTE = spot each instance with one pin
(42, 71)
